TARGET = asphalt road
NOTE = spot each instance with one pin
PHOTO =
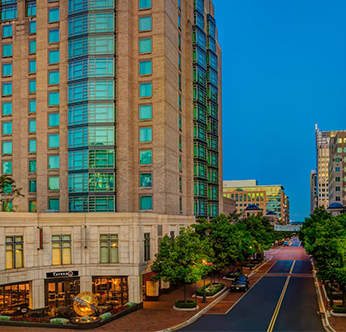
(275, 303)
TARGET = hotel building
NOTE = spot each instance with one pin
(111, 125)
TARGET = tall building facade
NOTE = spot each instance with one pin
(322, 155)
(110, 107)
(337, 163)
(266, 197)
(313, 191)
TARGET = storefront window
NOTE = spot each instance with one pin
(111, 290)
(14, 252)
(60, 292)
(14, 296)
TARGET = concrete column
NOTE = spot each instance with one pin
(37, 294)
(86, 284)
(135, 289)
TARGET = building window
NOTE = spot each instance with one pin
(53, 57)
(32, 86)
(7, 206)
(32, 126)
(32, 67)
(144, 4)
(53, 15)
(53, 77)
(32, 27)
(111, 290)
(32, 106)
(53, 36)
(7, 89)
(53, 120)
(7, 31)
(145, 67)
(32, 186)
(61, 249)
(145, 23)
(145, 180)
(7, 167)
(32, 46)
(145, 90)
(6, 147)
(32, 145)
(53, 183)
(145, 157)
(32, 206)
(54, 204)
(7, 69)
(7, 128)
(146, 203)
(6, 108)
(31, 9)
(14, 252)
(146, 246)
(6, 50)
(32, 166)
(145, 45)
(109, 248)
(145, 134)
(53, 162)
(145, 112)
(53, 99)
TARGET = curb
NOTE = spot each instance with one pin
(199, 314)
(208, 307)
(322, 310)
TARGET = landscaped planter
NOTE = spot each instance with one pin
(91, 325)
(232, 275)
(185, 306)
(218, 289)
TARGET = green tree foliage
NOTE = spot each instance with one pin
(180, 260)
(8, 192)
(324, 237)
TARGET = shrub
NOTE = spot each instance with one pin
(130, 304)
(59, 321)
(5, 318)
(118, 309)
(339, 310)
(105, 315)
(232, 274)
(249, 265)
(209, 292)
(331, 293)
(188, 304)
(29, 319)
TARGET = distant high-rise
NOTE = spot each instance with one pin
(322, 165)
(313, 191)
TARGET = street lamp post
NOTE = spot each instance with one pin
(204, 262)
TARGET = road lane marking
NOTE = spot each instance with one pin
(278, 306)
(291, 270)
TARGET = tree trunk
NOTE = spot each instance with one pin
(185, 293)
(343, 294)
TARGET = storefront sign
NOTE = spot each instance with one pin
(62, 274)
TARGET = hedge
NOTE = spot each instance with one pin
(339, 310)
(210, 292)
(188, 304)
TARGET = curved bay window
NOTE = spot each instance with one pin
(111, 290)
(14, 296)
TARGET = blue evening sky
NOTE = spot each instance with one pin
(284, 69)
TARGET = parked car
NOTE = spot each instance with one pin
(285, 243)
(240, 283)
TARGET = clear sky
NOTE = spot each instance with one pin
(284, 69)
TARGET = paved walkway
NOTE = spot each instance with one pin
(160, 315)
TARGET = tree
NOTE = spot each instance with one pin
(180, 260)
(8, 192)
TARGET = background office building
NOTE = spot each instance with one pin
(313, 190)
(337, 163)
(110, 107)
(266, 197)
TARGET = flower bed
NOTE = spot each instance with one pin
(29, 319)
(216, 287)
(339, 309)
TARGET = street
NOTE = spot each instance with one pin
(284, 299)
